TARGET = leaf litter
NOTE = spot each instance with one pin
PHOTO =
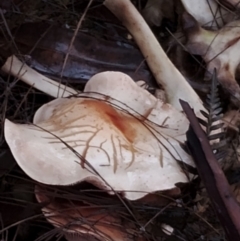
(190, 214)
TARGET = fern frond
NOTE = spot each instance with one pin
(213, 115)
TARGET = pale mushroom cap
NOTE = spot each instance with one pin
(123, 91)
(219, 49)
(208, 13)
(125, 149)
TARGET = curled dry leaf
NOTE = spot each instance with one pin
(125, 135)
(219, 49)
(208, 13)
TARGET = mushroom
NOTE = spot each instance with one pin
(209, 13)
(219, 49)
(166, 74)
(128, 140)
(79, 221)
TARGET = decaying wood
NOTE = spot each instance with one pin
(212, 176)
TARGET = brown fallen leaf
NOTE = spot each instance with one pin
(46, 48)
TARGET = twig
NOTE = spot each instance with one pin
(31, 77)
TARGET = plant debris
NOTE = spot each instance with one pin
(69, 41)
(213, 177)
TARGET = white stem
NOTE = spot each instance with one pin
(31, 77)
(165, 73)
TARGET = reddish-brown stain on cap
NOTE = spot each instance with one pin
(123, 122)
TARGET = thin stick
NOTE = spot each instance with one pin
(31, 77)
